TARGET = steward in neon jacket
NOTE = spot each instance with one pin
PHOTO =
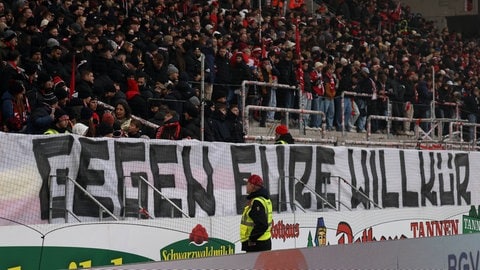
(256, 224)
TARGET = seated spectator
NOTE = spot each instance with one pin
(171, 128)
(218, 128)
(123, 115)
(15, 108)
(43, 115)
(135, 129)
(191, 121)
(61, 123)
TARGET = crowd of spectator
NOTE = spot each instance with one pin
(144, 58)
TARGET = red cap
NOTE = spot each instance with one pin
(255, 180)
(282, 130)
(57, 80)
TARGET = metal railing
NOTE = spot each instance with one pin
(325, 202)
(68, 212)
(246, 125)
(293, 201)
(355, 94)
(343, 180)
(143, 180)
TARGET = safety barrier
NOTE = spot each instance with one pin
(67, 212)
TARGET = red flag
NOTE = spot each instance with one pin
(397, 12)
(72, 77)
(297, 39)
(264, 50)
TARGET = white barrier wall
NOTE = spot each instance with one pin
(73, 246)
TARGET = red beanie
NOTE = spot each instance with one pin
(282, 130)
(255, 180)
(108, 119)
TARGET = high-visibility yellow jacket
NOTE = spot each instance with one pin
(247, 224)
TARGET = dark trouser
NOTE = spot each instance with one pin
(255, 246)
(265, 102)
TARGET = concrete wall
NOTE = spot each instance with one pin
(438, 10)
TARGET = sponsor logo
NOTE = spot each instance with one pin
(471, 222)
(199, 245)
(285, 231)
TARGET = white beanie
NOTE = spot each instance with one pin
(80, 129)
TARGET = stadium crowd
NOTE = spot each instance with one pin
(144, 58)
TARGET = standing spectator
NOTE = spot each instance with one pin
(306, 89)
(381, 104)
(286, 68)
(266, 74)
(444, 94)
(317, 95)
(234, 121)
(330, 91)
(223, 74)
(15, 108)
(365, 86)
(395, 92)
(424, 97)
(242, 73)
(193, 64)
(344, 84)
(409, 83)
(471, 109)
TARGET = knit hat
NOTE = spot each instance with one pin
(281, 130)
(108, 119)
(80, 129)
(190, 109)
(58, 81)
(8, 35)
(76, 27)
(60, 115)
(51, 42)
(49, 98)
(171, 69)
(255, 180)
(60, 93)
(194, 100)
